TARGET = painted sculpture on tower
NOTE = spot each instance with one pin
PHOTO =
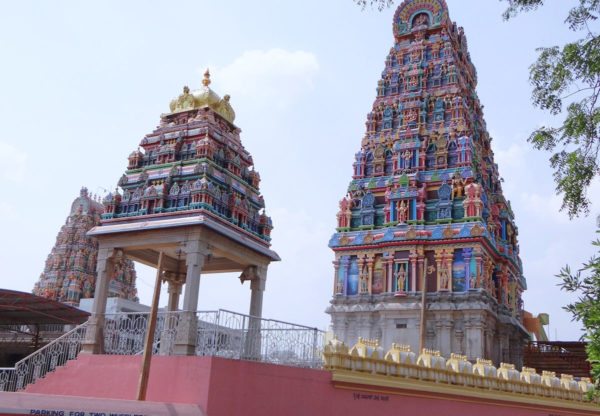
(70, 270)
(425, 207)
(194, 162)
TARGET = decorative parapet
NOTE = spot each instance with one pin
(400, 363)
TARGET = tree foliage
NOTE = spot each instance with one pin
(380, 4)
(585, 283)
(566, 79)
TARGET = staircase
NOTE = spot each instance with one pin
(43, 361)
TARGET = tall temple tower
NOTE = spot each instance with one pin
(70, 271)
(425, 208)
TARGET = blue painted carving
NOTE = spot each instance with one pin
(458, 272)
(352, 288)
(388, 115)
(444, 203)
(367, 213)
(389, 235)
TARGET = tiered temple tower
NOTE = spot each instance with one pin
(70, 271)
(183, 169)
(425, 207)
(189, 204)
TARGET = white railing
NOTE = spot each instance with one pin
(124, 333)
(234, 335)
(6, 375)
(220, 333)
(43, 361)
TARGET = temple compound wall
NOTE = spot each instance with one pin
(425, 209)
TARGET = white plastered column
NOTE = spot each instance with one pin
(94, 335)
(187, 329)
(258, 283)
(174, 290)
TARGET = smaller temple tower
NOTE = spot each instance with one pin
(70, 271)
(189, 204)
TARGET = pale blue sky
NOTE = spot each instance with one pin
(82, 82)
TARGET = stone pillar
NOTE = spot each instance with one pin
(252, 346)
(444, 335)
(388, 261)
(257, 286)
(169, 329)
(413, 272)
(475, 337)
(337, 287)
(370, 266)
(94, 335)
(362, 277)
(467, 259)
(344, 264)
(421, 273)
(439, 258)
(187, 328)
(174, 291)
(393, 281)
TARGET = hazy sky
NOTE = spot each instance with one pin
(81, 83)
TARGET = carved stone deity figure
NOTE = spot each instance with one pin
(364, 280)
(402, 212)
(87, 288)
(342, 215)
(444, 277)
(458, 184)
(400, 278)
(472, 203)
(80, 259)
(411, 116)
(421, 20)
(407, 157)
(184, 101)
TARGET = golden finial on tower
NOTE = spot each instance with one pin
(206, 80)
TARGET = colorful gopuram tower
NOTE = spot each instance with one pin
(425, 207)
(189, 204)
(185, 169)
(70, 271)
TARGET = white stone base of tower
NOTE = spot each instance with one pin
(470, 323)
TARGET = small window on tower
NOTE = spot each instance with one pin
(401, 323)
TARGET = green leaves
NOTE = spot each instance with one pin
(380, 4)
(585, 283)
(516, 6)
(566, 80)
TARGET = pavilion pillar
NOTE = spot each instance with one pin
(187, 328)
(94, 334)
(174, 291)
(252, 347)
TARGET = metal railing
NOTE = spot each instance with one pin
(124, 333)
(43, 361)
(233, 335)
(221, 333)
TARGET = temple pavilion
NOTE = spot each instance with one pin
(190, 195)
(425, 211)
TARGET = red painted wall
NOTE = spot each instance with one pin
(229, 387)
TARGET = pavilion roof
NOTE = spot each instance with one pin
(21, 308)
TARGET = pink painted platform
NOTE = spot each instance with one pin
(55, 405)
(231, 387)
